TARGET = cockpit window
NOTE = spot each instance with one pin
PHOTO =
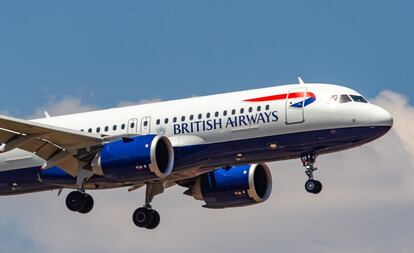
(344, 99)
(358, 99)
(333, 98)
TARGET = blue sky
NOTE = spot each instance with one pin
(111, 51)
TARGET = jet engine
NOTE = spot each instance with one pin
(235, 186)
(143, 156)
(135, 158)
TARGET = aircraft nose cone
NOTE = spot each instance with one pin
(383, 117)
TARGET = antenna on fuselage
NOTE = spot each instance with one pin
(47, 114)
(300, 80)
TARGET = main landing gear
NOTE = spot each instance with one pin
(312, 185)
(146, 217)
(79, 201)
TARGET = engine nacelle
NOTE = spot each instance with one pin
(236, 186)
(142, 157)
(136, 158)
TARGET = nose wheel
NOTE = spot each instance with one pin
(312, 185)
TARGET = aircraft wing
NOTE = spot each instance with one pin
(58, 146)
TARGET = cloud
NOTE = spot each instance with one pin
(366, 206)
(139, 102)
(66, 105)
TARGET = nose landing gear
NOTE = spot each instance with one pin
(312, 185)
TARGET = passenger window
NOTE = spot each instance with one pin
(81, 130)
(200, 116)
(183, 118)
(114, 128)
(241, 111)
(191, 117)
(90, 130)
(208, 115)
(259, 108)
(158, 121)
(145, 123)
(166, 121)
(250, 109)
(359, 99)
(132, 125)
(98, 129)
(344, 99)
(216, 114)
(106, 129)
(175, 119)
(224, 113)
(233, 111)
(123, 126)
(267, 107)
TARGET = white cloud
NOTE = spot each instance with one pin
(366, 206)
(139, 102)
(66, 105)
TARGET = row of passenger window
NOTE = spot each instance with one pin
(106, 128)
(216, 114)
(175, 119)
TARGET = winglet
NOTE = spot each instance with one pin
(300, 80)
(47, 114)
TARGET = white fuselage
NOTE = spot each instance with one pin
(227, 118)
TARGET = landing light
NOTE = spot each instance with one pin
(273, 146)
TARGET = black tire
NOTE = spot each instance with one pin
(155, 220)
(88, 204)
(75, 201)
(310, 185)
(318, 187)
(142, 217)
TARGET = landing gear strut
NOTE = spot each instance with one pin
(312, 185)
(80, 201)
(146, 217)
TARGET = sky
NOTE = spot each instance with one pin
(75, 56)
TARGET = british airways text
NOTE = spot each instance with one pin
(230, 122)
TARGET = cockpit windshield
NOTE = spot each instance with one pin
(344, 98)
(359, 99)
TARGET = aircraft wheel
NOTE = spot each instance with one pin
(155, 219)
(142, 217)
(75, 201)
(313, 186)
(318, 188)
(88, 204)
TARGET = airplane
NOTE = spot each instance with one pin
(215, 146)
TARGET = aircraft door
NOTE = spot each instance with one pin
(132, 126)
(295, 106)
(145, 125)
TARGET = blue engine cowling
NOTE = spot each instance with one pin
(236, 186)
(130, 159)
